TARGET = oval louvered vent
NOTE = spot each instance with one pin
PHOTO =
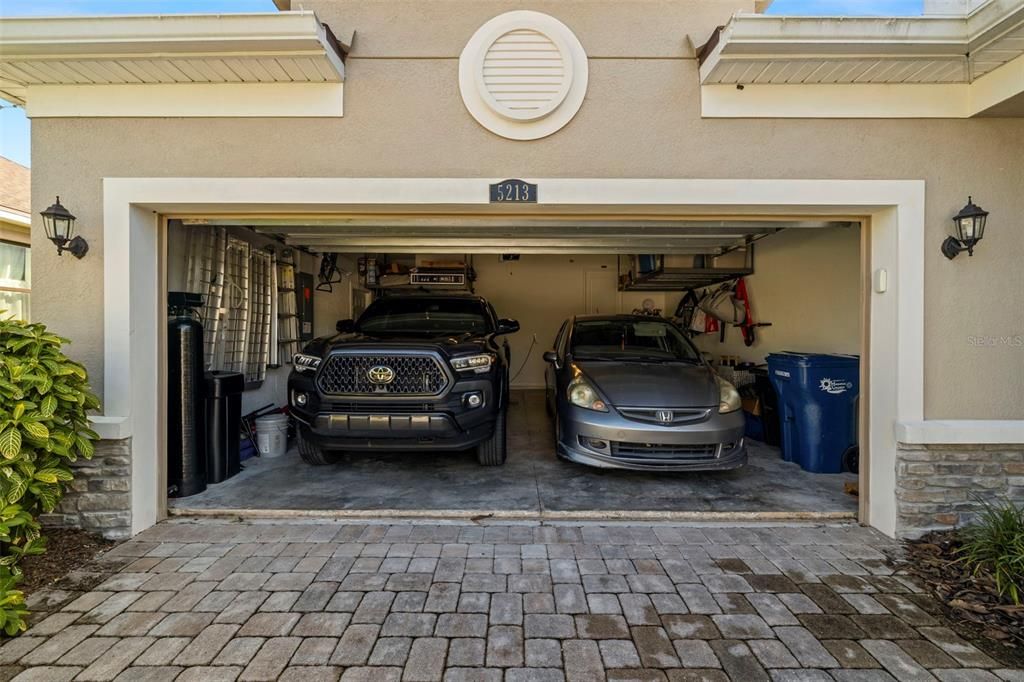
(526, 75)
(523, 75)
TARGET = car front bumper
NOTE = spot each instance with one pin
(714, 444)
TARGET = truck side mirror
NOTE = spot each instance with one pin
(345, 326)
(551, 356)
(507, 326)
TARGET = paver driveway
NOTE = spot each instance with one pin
(308, 601)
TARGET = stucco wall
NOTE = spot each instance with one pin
(404, 117)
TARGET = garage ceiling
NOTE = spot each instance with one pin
(510, 235)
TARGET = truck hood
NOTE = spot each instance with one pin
(641, 384)
(447, 344)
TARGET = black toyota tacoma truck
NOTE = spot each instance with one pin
(414, 372)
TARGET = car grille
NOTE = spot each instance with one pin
(656, 415)
(347, 374)
(662, 451)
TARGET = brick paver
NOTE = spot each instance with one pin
(318, 600)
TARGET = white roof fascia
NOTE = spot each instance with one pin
(157, 33)
(774, 38)
(154, 38)
(9, 215)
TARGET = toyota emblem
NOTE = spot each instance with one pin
(664, 416)
(380, 375)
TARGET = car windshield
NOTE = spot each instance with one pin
(425, 316)
(625, 339)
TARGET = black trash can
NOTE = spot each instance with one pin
(769, 406)
(223, 424)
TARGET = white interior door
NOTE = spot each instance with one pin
(601, 288)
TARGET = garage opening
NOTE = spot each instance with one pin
(269, 286)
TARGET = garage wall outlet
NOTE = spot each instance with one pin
(881, 280)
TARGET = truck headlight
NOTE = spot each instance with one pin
(728, 397)
(473, 363)
(307, 364)
(582, 394)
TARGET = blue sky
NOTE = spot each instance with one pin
(14, 127)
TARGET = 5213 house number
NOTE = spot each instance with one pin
(513, 192)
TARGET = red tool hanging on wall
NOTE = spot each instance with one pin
(748, 325)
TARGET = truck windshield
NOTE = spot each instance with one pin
(425, 316)
(636, 340)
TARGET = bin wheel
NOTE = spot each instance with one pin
(851, 459)
(311, 451)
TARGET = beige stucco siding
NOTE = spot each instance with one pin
(404, 117)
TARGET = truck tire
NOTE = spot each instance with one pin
(493, 451)
(311, 452)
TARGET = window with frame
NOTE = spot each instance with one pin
(15, 280)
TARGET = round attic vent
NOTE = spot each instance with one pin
(523, 75)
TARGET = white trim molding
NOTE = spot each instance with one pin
(866, 100)
(20, 218)
(208, 100)
(961, 432)
(110, 428)
(133, 320)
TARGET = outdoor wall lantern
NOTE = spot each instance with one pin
(969, 224)
(60, 229)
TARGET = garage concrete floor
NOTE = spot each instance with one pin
(533, 480)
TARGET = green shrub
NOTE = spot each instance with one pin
(994, 545)
(44, 399)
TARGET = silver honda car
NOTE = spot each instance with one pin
(632, 392)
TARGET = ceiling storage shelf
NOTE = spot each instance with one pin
(661, 273)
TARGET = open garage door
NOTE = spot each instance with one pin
(542, 270)
(524, 235)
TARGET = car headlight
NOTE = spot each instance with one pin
(582, 394)
(473, 363)
(305, 363)
(728, 397)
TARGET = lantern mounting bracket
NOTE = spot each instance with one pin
(77, 247)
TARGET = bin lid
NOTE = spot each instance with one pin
(221, 384)
(812, 359)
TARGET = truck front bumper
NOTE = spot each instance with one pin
(363, 423)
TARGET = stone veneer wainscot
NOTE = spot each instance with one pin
(99, 499)
(940, 486)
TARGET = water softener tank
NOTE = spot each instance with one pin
(186, 417)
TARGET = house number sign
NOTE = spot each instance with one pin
(513, 192)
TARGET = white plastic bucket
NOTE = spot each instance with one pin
(272, 435)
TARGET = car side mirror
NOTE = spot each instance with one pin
(507, 326)
(345, 326)
(551, 356)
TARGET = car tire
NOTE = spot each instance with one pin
(494, 451)
(311, 451)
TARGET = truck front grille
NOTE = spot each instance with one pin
(413, 375)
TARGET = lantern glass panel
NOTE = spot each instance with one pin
(979, 226)
(965, 228)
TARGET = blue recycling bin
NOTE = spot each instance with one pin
(818, 407)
